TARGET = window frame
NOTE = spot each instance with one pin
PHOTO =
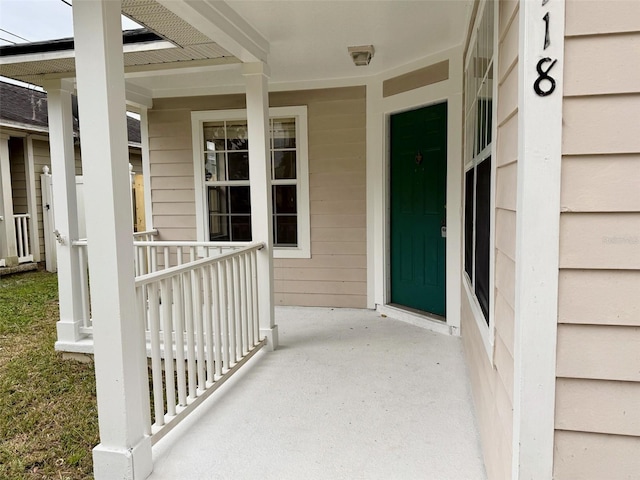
(199, 118)
(472, 159)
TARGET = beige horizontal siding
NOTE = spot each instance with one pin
(600, 352)
(506, 186)
(599, 297)
(336, 273)
(600, 240)
(601, 183)
(594, 456)
(598, 406)
(492, 402)
(596, 18)
(589, 62)
(598, 360)
(603, 124)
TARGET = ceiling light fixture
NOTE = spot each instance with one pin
(361, 55)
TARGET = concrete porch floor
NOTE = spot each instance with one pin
(348, 395)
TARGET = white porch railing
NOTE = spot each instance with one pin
(22, 237)
(149, 256)
(201, 320)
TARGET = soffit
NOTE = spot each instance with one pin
(189, 45)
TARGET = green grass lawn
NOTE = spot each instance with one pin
(48, 416)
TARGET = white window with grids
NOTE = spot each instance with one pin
(221, 167)
(479, 184)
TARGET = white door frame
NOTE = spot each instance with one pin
(379, 110)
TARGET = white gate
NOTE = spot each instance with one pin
(48, 220)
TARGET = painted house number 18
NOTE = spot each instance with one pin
(543, 73)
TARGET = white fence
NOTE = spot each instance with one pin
(201, 320)
(22, 237)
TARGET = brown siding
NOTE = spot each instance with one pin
(435, 73)
(18, 177)
(598, 363)
(336, 273)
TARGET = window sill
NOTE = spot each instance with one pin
(291, 252)
(481, 323)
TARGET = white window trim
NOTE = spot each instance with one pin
(303, 250)
(487, 331)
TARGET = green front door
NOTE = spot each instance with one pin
(418, 195)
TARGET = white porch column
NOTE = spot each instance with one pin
(66, 211)
(256, 79)
(540, 70)
(8, 248)
(124, 451)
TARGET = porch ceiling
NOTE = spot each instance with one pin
(307, 42)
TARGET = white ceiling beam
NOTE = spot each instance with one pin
(138, 96)
(218, 21)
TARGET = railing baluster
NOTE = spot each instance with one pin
(156, 357)
(224, 313)
(254, 289)
(84, 286)
(238, 316)
(143, 314)
(165, 255)
(243, 304)
(208, 321)
(178, 302)
(249, 300)
(191, 349)
(179, 260)
(217, 314)
(198, 320)
(232, 312)
(154, 259)
(167, 330)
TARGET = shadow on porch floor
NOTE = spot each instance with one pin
(349, 395)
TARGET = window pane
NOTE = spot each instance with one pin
(284, 133)
(214, 168)
(286, 230)
(284, 165)
(240, 228)
(483, 218)
(468, 223)
(218, 228)
(218, 200)
(237, 135)
(238, 165)
(284, 199)
(240, 201)
(214, 136)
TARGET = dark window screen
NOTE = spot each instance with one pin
(468, 223)
(483, 217)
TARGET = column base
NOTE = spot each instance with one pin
(68, 331)
(127, 464)
(11, 261)
(271, 334)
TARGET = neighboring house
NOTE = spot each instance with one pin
(24, 132)
(479, 178)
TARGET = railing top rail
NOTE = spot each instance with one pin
(81, 242)
(146, 232)
(21, 215)
(169, 243)
(186, 267)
